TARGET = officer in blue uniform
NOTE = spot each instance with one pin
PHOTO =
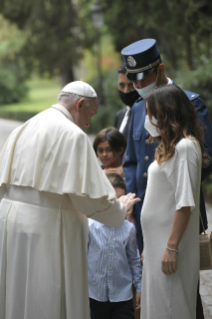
(146, 70)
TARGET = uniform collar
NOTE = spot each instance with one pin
(169, 81)
(63, 110)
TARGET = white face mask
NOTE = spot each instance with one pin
(153, 130)
(143, 92)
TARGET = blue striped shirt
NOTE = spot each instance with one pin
(113, 262)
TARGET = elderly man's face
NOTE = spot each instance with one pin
(87, 112)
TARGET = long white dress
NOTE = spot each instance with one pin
(174, 184)
(50, 183)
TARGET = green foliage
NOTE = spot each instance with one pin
(12, 68)
(106, 115)
(11, 39)
(110, 59)
(41, 95)
(53, 34)
(12, 87)
(182, 28)
(198, 80)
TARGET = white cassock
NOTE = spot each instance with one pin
(50, 182)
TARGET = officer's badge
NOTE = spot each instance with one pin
(131, 61)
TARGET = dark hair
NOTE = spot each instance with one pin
(117, 181)
(116, 139)
(176, 118)
(122, 69)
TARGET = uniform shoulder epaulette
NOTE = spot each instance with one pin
(191, 95)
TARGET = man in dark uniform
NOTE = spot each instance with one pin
(146, 71)
(128, 95)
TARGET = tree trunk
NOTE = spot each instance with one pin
(66, 75)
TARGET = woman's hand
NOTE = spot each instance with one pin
(137, 300)
(169, 259)
(129, 200)
(169, 262)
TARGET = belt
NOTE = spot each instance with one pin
(34, 197)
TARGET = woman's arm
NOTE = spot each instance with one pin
(169, 260)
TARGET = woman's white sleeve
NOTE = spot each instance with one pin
(184, 181)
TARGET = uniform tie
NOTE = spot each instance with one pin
(126, 128)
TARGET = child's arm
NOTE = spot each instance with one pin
(134, 263)
(137, 300)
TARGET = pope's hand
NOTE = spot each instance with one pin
(129, 200)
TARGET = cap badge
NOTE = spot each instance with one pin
(131, 61)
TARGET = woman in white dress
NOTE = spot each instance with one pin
(170, 213)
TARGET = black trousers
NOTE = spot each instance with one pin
(111, 310)
(199, 308)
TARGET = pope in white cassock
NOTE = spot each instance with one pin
(50, 183)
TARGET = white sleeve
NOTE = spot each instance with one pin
(2, 189)
(109, 212)
(184, 181)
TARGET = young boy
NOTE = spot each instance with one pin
(113, 264)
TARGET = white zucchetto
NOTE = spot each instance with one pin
(80, 88)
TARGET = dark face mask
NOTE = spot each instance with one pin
(129, 98)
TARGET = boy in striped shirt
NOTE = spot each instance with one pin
(113, 265)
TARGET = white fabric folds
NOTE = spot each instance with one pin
(172, 185)
(50, 183)
(55, 158)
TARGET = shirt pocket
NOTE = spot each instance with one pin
(136, 140)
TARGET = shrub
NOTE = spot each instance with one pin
(198, 81)
(12, 86)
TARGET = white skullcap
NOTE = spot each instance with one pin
(80, 88)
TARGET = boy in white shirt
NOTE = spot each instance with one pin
(113, 265)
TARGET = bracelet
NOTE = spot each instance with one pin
(170, 249)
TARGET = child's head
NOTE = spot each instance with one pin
(118, 183)
(109, 145)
